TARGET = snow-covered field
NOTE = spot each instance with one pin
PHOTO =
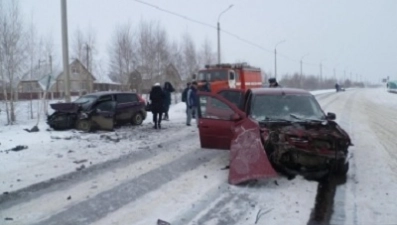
(137, 175)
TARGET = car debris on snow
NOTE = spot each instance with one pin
(80, 161)
(80, 168)
(8, 218)
(260, 214)
(162, 222)
(16, 148)
(34, 129)
(68, 198)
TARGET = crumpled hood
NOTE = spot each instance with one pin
(65, 107)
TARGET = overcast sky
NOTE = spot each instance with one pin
(356, 36)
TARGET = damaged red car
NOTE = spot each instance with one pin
(98, 111)
(271, 131)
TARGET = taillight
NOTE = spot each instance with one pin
(141, 99)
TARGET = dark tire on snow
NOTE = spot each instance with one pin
(84, 125)
(137, 119)
(341, 168)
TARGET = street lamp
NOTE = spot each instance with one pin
(219, 33)
(321, 69)
(275, 58)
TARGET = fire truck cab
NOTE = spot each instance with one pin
(222, 76)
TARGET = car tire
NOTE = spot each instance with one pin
(137, 119)
(84, 125)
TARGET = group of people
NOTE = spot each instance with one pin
(160, 99)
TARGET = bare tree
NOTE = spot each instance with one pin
(122, 53)
(206, 55)
(13, 51)
(189, 53)
(153, 50)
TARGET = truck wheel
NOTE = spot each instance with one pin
(137, 119)
(84, 125)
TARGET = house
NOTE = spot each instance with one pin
(81, 80)
(104, 83)
(143, 82)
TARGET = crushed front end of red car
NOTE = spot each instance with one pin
(306, 148)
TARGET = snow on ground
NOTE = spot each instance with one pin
(52, 153)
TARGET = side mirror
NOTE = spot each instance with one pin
(331, 116)
(194, 76)
(235, 117)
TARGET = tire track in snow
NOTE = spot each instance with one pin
(69, 179)
(92, 186)
(329, 202)
(109, 201)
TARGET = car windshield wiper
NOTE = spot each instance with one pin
(306, 119)
(270, 119)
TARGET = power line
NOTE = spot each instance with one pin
(224, 31)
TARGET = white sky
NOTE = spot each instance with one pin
(358, 36)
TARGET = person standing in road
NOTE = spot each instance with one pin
(192, 103)
(184, 95)
(168, 89)
(273, 83)
(157, 97)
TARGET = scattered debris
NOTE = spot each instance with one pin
(109, 138)
(5, 193)
(226, 167)
(70, 197)
(16, 148)
(70, 151)
(162, 222)
(80, 161)
(34, 129)
(275, 182)
(205, 176)
(260, 213)
(80, 168)
(8, 218)
(160, 146)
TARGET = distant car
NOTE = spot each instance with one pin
(270, 130)
(101, 110)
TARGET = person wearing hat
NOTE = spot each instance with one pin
(273, 83)
(157, 97)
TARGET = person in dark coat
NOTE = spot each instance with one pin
(273, 83)
(168, 89)
(157, 97)
(192, 103)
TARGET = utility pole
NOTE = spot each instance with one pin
(87, 48)
(50, 59)
(275, 58)
(65, 50)
(219, 33)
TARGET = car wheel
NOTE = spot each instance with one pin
(341, 167)
(84, 125)
(137, 119)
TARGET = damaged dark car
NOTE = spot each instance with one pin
(271, 131)
(98, 111)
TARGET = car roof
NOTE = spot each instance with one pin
(101, 93)
(279, 91)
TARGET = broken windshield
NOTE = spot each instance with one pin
(267, 107)
(213, 75)
(86, 101)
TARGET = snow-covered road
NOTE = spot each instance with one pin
(139, 175)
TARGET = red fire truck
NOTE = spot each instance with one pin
(221, 76)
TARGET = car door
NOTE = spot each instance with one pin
(103, 116)
(235, 96)
(217, 118)
(127, 105)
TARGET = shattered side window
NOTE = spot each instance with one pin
(212, 108)
(107, 106)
